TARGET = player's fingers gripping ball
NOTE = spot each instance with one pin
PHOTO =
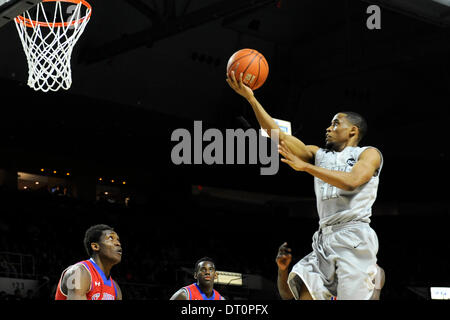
(251, 64)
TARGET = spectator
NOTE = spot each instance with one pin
(4, 267)
(29, 295)
(17, 294)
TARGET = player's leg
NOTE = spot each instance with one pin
(298, 288)
(312, 278)
(356, 267)
(379, 283)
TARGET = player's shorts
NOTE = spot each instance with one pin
(342, 265)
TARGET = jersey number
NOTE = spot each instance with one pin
(329, 192)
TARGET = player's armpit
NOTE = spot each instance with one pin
(369, 161)
(77, 282)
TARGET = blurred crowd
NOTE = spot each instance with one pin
(164, 237)
(158, 243)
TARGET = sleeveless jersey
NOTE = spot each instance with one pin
(335, 205)
(100, 289)
(195, 293)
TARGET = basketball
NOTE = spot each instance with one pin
(252, 64)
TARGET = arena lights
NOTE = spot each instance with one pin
(68, 174)
(52, 171)
(114, 180)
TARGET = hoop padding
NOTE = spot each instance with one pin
(48, 43)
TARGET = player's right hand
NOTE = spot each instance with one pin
(238, 86)
(284, 257)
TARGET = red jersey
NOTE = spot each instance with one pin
(195, 293)
(100, 289)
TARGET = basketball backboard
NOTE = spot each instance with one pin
(9, 9)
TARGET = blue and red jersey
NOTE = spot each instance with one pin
(195, 293)
(101, 287)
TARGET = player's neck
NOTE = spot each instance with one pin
(350, 143)
(208, 290)
(103, 265)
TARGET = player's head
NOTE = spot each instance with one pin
(101, 240)
(345, 127)
(205, 272)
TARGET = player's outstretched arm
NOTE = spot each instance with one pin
(76, 282)
(369, 161)
(283, 261)
(305, 152)
(179, 295)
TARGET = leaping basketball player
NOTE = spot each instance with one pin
(91, 279)
(343, 264)
(203, 289)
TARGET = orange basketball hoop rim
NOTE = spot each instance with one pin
(33, 23)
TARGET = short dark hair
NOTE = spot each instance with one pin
(357, 120)
(201, 260)
(93, 234)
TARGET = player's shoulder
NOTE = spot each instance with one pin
(76, 274)
(76, 269)
(181, 294)
(369, 152)
(371, 155)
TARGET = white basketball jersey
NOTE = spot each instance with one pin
(335, 205)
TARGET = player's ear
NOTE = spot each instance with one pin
(195, 275)
(95, 246)
(354, 131)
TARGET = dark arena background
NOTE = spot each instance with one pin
(100, 152)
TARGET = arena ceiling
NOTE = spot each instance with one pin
(170, 55)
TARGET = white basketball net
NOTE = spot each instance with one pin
(48, 43)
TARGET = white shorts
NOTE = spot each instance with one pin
(342, 265)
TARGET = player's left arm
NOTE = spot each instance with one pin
(363, 170)
(119, 292)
